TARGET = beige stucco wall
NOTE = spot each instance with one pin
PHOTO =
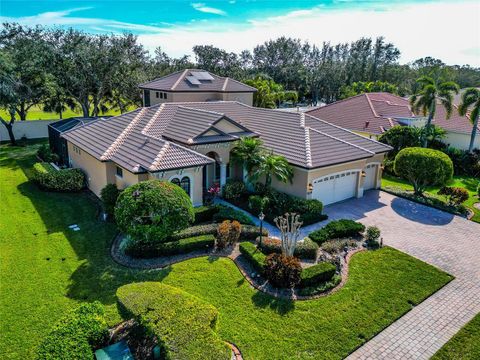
(196, 181)
(246, 98)
(461, 141)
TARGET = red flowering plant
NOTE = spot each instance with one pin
(212, 192)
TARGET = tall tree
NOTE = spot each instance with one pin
(8, 93)
(269, 94)
(425, 101)
(471, 99)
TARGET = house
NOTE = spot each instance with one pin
(189, 143)
(372, 114)
(195, 85)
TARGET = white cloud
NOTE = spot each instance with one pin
(449, 31)
(207, 9)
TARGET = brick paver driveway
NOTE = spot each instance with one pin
(443, 240)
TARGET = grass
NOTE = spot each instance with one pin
(46, 269)
(464, 345)
(36, 113)
(469, 183)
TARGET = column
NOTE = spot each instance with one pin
(223, 174)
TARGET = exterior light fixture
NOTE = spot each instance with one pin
(261, 216)
(364, 174)
(310, 187)
(382, 167)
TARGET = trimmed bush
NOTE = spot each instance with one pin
(109, 195)
(337, 229)
(64, 180)
(257, 204)
(455, 195)
(76, 334)
(184, 325)
(228, 233)
(249, 232)
(46, 154)
(316, 274)
(253, 255)
(336, 246)
(233, 190)
(151, 211)
(228, 213)
(306, 249)
(183, 246)
(205, 213)
(282, 271)
(372, 236)
(423, 167)
(464, 162)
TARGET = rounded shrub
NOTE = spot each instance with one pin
(228, 233)
(234, 190)
(455, 195)
(282, 271)
(423, 167)
(151, 211)
(109, 195)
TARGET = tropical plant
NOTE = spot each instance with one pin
(247, 152)
(109, 195)
(282, 271)
(269, 93)
(431, 91)
(289, 226)
(471, 98)
(423, 167)
(400, 137)
(271, 166)
(454, 195)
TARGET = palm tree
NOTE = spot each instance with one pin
(470, 97)
(273, 166)
(248, 152)
(426, 99)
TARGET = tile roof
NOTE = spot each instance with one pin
(147, 139)
(178, 82)
(376, 112)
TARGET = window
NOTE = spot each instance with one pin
(119, 171)
(77, 150)
(164, 95)
(157, 94)
(185, 184)
(175, 181)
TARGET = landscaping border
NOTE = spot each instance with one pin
(234, 254)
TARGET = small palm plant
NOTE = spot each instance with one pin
(248, 152)
(425, 100)
(471, 98)
(273, 166)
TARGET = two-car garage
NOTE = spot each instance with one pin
(340, 186)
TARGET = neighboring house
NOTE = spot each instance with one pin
(190, 144)
(195, 85)
(372, 114)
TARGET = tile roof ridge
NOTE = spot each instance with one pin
(181, 77)
(161, 77)
(225, 84)
(308, 150)
(302, 119)
(153, 119)
(346, 130)
(159, 156)
(371, 105)
(343, 141)
(123, 135)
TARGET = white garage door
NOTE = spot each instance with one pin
(370, 178)
(337, 187)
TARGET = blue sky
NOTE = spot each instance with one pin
(175, 25)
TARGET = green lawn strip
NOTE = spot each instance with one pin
(36, 292)
(469, 183)
(464, 345)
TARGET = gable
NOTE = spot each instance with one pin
(228, 127)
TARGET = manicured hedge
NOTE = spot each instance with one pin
(64, 180)
(254, 256)
(205, 213)
(183, 324)
(337, 229)
(316, 274)
(227, 213)
(76, 334)
(307, 249)
(182, 246)
(249, 232)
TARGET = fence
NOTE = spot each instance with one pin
(31, 129)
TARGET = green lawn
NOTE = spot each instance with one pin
(45, 269)
(36, 113)
(464, 345)
(469, 183)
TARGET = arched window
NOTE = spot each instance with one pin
(185, 184)
(175, 181)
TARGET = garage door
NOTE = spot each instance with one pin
(370, 178)
(337, 187)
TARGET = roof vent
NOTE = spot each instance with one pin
(366, 124)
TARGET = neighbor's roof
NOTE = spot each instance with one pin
(137, 139)
(375, 113)
(179, 82)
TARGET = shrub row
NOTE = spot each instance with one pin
(228, 213)
(65, 180)
(248, 232)
(182, 323)
(205, 213)
(307, 249)
(253, 255)
(45, 153)
(183, 246)
(337, 229)
(76, 334)
(316, 274)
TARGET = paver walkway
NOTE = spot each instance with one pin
(438, 238)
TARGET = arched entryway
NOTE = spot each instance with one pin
(215, 173)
